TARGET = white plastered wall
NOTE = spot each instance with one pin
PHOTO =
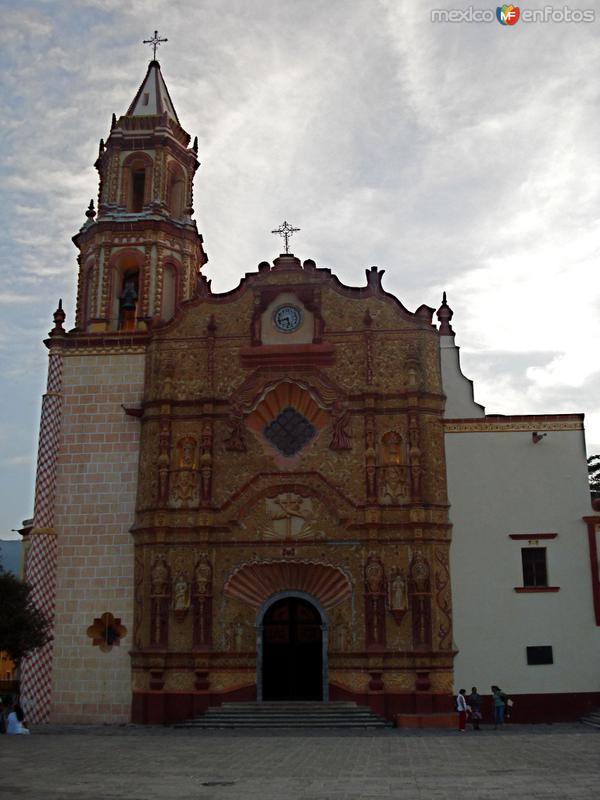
(457, 387)
(501, 483)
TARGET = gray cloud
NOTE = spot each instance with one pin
(458, 157)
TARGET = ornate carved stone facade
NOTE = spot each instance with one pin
(357, 522)
(290, 444)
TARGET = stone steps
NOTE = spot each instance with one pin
(287, 715)
(593, 719)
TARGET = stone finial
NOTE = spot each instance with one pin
(195, 145)
(59, 318)
(91, 211)
(113, 123)
(374, 277)
(101, 147)
(203, 289)
(445, 314)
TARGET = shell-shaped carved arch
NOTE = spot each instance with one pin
(255, 582)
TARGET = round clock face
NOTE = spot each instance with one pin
(287, 318)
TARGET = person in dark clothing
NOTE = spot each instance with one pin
(474, 701)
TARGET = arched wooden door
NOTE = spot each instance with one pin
(292, 638)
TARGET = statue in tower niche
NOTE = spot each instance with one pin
(184, 492)
(128, 302)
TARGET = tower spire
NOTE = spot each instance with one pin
(153, 98)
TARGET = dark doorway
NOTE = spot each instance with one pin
(292, 651)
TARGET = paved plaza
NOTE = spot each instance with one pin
(110, 763)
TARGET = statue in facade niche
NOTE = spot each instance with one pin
(187, 452)
(398, 599)
(181, 593)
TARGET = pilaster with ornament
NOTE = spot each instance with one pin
(40, 568)
(159, 280)
(145, 278)
(419, 593)
(164, 454)
(370, 458)
(138, 607)
(368, 339)
(206, 461)
(211, 330)
(414, 456)
(79, 311)
(186, 280)
(103, 280)
(160, 176)
(375, 595)
(443, 598)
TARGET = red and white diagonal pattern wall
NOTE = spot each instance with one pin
(40, 570)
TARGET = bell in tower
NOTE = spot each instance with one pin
(141, 255)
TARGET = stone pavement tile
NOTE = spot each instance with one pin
(537, 763)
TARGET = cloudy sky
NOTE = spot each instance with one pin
(455, 156)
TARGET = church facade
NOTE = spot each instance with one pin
(245, 496)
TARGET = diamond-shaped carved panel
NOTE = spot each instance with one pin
(289, 431)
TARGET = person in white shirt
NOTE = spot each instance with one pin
(462, 708)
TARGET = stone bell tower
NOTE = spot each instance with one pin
(141, 254)
(140, 259)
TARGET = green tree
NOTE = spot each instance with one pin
(23, 627)
(594, 475)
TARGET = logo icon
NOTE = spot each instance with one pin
(508, 15)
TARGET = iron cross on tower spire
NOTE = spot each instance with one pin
(285, 230)
(154, 42)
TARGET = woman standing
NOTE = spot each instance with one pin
(498, 698)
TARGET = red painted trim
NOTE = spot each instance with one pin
(167, 707)
(592, 522)
(517, 418)
(77, 340)
(526, 536)
(533, 589)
